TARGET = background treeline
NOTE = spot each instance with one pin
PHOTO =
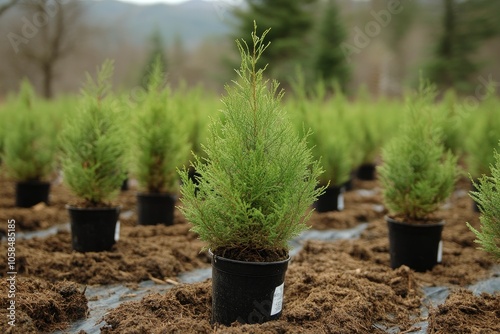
(383, 45)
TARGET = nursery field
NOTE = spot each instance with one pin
(339, 279)
(82, 255)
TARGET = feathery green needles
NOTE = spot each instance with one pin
(92, 144)
(259, 178)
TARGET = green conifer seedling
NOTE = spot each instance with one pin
(30, 143)
(93, 148)
(487, 197)
(417, 173)
(259, 178)
(161, 144)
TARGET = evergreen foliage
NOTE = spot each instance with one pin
(331, 145)
(160, 138)
(329, 139)
(196, 108)
(417, 174)
(370, 125)
(156, 55)
(488, 198)
(483, 133)
(291, 23)
(30, 145)
(93, 150)
(329, 61)
(450, 111)
(258, 179)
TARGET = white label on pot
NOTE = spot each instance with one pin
(340, 202)
(277, 299)
(117, 231)
(440, 251)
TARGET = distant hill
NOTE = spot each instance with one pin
(192, 21)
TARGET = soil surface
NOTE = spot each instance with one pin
(341, 286)
(465, 313)
(41, 306)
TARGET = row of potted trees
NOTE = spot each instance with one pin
(335, 122)
(259, 179)
(152, 146)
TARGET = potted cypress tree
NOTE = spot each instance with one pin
(161, 146)
(93, 163)
(417, 175)
(29, 150)
(488, 198)
(331, 146)
(257, 183)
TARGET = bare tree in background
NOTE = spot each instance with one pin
(4, 7)
(47, 31)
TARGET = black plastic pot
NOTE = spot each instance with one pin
(417, 246)
(153, 209)
(366, 172)
(31, 193)
(349, 184)
(247, 292)
(124, 186)
(93, 229)
(331, 200)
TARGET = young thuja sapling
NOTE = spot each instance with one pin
(93, 162)
(29, 148)
(93, 150)
(256, 185)
(160, 147)
(417, 175)
(258, 178)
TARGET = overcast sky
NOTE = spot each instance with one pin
(153, 1)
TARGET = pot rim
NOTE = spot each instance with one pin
(215, 257)
(108, 208)
(34, 182)
(394, 221)
(162, 194)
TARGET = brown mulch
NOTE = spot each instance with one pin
(332, 294)
(345, 286)
(42, 306)
(464, 312)
(141, 253)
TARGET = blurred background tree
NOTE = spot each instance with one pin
(156, 54)
(466, 25)
(455, 42)
(48, 32)
(329, 62)
(291, 23)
